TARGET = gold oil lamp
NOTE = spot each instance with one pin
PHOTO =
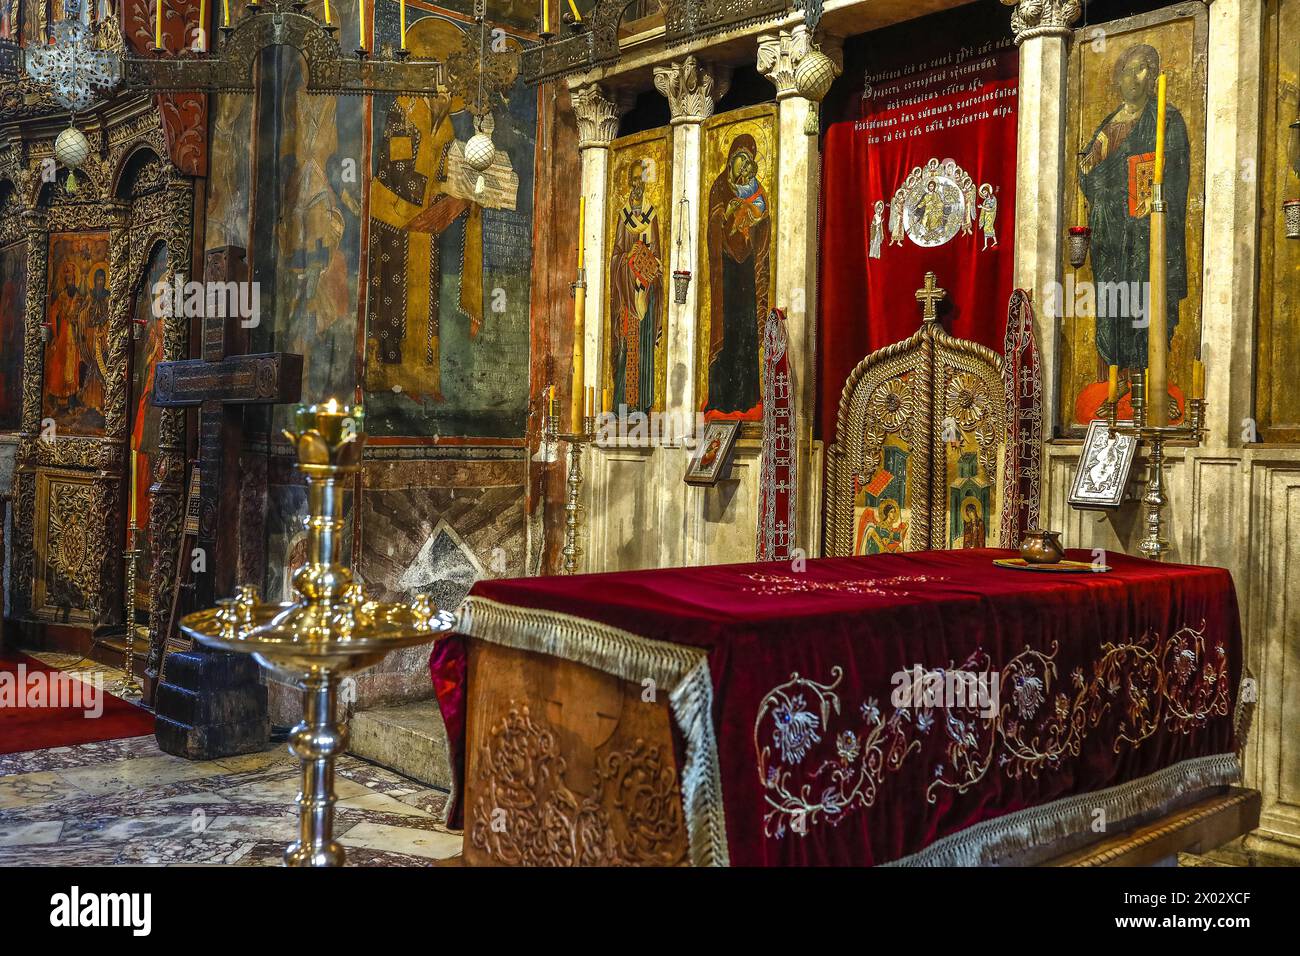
(332, 629)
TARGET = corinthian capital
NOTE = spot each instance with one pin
(597, 115)
(692, 89)
(1043, 18)
(779, 55)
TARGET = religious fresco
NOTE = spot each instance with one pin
(76, 352)
(13, 306)
(637, 270)
(230, 171)
(738, 268)
(1111, 132)
(10, 10)
(306, 238)
(146, 353)
(450, 250)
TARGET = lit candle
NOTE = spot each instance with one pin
(1112, 392)
(402, 25)
(1160, 130)
(361, 29)
(157, 27)
(135, 457)
(1157, 319)
(582, 227)
(327, 13)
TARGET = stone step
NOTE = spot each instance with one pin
(409, 739)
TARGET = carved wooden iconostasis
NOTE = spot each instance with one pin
(91, 256)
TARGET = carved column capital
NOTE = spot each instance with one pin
(1043, 18)
(597, 114)
(692, 88)
(779, 55)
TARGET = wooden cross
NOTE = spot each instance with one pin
(929, 296)
(220, 384)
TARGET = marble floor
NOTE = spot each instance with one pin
(127, 802)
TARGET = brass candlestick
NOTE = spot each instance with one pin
(572, 550)
(1154, 545)
(128, 688)
(331, 629)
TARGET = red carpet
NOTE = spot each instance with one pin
(85, 714)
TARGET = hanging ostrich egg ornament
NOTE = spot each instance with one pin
(71, 148)
(480, 152)
(812, 80)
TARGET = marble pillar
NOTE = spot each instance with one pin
(597, 113)
(1042, 31)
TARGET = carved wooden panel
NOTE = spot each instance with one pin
(76, 578)
(918, 459)
(566, 766)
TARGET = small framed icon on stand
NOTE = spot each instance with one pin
(1104, 468)
(712, 459)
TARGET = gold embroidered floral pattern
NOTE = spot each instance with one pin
(1179, 681)
(765, 583)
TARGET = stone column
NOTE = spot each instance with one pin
(1042, 28)
(597, 115)
(797, 196)
(1232, 162)
(692, 90)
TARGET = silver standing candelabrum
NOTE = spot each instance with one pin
(128, 688)
(332, 629)
(1155, 544)
(573, 506)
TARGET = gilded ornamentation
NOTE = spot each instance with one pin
(931, 392)
(1179, 680)
(526, 815)
(129, 188)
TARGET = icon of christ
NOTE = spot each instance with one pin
(1115, 174)
(636, 296)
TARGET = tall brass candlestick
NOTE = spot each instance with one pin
(1157, 329)
(331, 629)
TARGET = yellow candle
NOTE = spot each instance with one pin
(546, 16)
(1112, 393)
(606, 399)
(402, 25)
(1160, 130)
(577, 17)
(361, 29)
(203, 24)
(157, 27)
(225, 13)
(327, 13)
(135, 456)
(582, 227)
(1198, 378)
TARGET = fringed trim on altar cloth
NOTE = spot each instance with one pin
(1022, 383)
(776, 476)
(683, 669)
(986, 843)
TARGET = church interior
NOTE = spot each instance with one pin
(752, 433)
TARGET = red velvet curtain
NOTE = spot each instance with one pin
(960, 111)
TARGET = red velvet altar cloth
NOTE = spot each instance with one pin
(1102, 678)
